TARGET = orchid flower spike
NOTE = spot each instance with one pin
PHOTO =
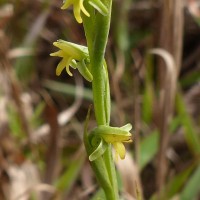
(78, 7)
(73, 55)
(103, 135)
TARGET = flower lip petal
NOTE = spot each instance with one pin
(119, 150)
(83, 8)
(77, 12)
(68, 71)
(61, 66)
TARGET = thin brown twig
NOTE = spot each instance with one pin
(166, 103)
(53, 150)
(171, 33)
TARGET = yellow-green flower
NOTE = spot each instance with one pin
(78, 7)
(113, 135)
(72, 55)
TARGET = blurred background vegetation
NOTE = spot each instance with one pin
(153, 56)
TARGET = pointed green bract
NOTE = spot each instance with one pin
(100, 148)
(82, 68)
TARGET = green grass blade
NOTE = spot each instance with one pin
(67, 89)
(190, 132)
(148, 148)
(175, 185)
(190, 79)
(178, 181)
(192, 188)
(65, 182)
(147, 107)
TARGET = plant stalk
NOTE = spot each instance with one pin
(97, 29)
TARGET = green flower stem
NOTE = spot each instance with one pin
(91, 64)
(99, 168)
(97, 60)
(101, 91)
(110, 166)
(97, 28)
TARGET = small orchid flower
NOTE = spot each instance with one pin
(78, 7)
(72, 55)
(102, 135)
